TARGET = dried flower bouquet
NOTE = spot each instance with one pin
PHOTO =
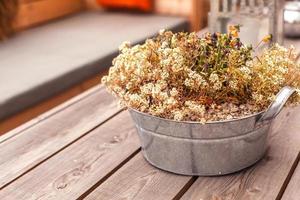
(184, 77)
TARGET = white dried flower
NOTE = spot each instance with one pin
(233, 84)
(174, 92)
(124, 46)
(178, 115)
(213, 78)
(161, 31)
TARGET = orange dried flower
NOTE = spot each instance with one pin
(234, 30)
(234, 33)
(233, 43)
(267, 38)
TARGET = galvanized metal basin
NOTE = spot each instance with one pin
(214, 148)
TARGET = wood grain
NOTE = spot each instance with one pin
(92, 5)
(137, 179)
(292, 191)
(199, 13)
(35, 12)
(77, 168)
(266, 179)
(28, 148)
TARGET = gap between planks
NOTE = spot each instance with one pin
(58, 181)
(138, 179)
(131, 177)
(85, 194)
(186, 187)
(286, 192)
(67, 135)
(58, 151)
(84, 163)
(265, 180)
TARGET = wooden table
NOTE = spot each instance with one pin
(88, 148)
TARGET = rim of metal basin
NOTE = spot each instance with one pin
(197, 122)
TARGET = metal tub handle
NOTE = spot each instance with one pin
(276, 106)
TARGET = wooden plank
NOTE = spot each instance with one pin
(292, 191)
(95, 80)
(73, 171)
(266, 179)
(92, 5)
(199, 14)
(137, 179)
(35, 144)
(35, 12)
(195, 10)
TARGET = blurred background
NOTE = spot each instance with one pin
(53, 50)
